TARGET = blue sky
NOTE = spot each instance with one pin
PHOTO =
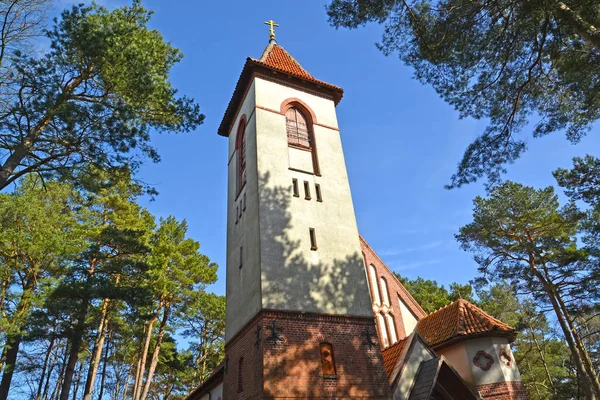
(401, 141)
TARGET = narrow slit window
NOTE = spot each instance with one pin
(318, 192)
(383, 330)
(295, 189)
(306, 190)
(244, 202)
(241, 256)
(384, 290)
(313, 238)
(392, 326)
(327, 360)
(237, 208)
(374, 287)
(240, 373)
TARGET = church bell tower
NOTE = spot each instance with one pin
(299, 316)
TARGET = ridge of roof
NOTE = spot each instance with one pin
(276, 56)
(457, 320)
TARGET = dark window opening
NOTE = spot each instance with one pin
(241, 155)
(313, 238)
(318, 192)
(295, 189)
(306, 190)
(240, 371)
(244, 202)
(241, 256)
(327, 360)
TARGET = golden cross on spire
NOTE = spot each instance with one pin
(272, 24)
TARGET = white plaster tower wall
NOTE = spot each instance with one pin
(331, 279)
(243, 291)
(268, 228)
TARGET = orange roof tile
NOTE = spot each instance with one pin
(276, 59)
(457, 320)
(392, 353)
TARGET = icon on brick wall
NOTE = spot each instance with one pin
(275, 333)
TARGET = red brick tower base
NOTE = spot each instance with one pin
(266, 361)
(503, 391)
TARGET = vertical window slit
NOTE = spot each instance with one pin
(295, 189)
(306, 190)
(240, 372)
(313, 238)
(318, 192)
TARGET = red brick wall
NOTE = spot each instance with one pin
(292, 369)
(503, 391)
(395, 288)
(243, 345)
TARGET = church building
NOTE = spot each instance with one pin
(312, 311)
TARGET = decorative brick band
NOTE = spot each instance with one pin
(513, 390)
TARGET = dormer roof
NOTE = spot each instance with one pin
(460, 320)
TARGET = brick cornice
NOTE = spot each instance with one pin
(299, 315)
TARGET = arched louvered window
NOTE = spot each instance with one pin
(240, 146)
(374, 287)
(382, 330)
(298, 129)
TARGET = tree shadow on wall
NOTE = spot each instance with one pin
(291, 281)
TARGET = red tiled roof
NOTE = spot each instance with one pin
(392, 353)
(459, 319)
(276, 59)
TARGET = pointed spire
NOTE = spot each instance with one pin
(276, 57)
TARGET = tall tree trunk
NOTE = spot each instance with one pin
(127, 380)
(97, 352)
(12, 345)
(75, 347)
(78, 381)
(137, 388)
(104, 367)
(56, 390)
(13, 341)
(45, 367)
(49, 375)
(585, 356)
(551, 293)
(154, 362)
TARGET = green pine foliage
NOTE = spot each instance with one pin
(93, 98)
(509, 62)
(97, 295)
